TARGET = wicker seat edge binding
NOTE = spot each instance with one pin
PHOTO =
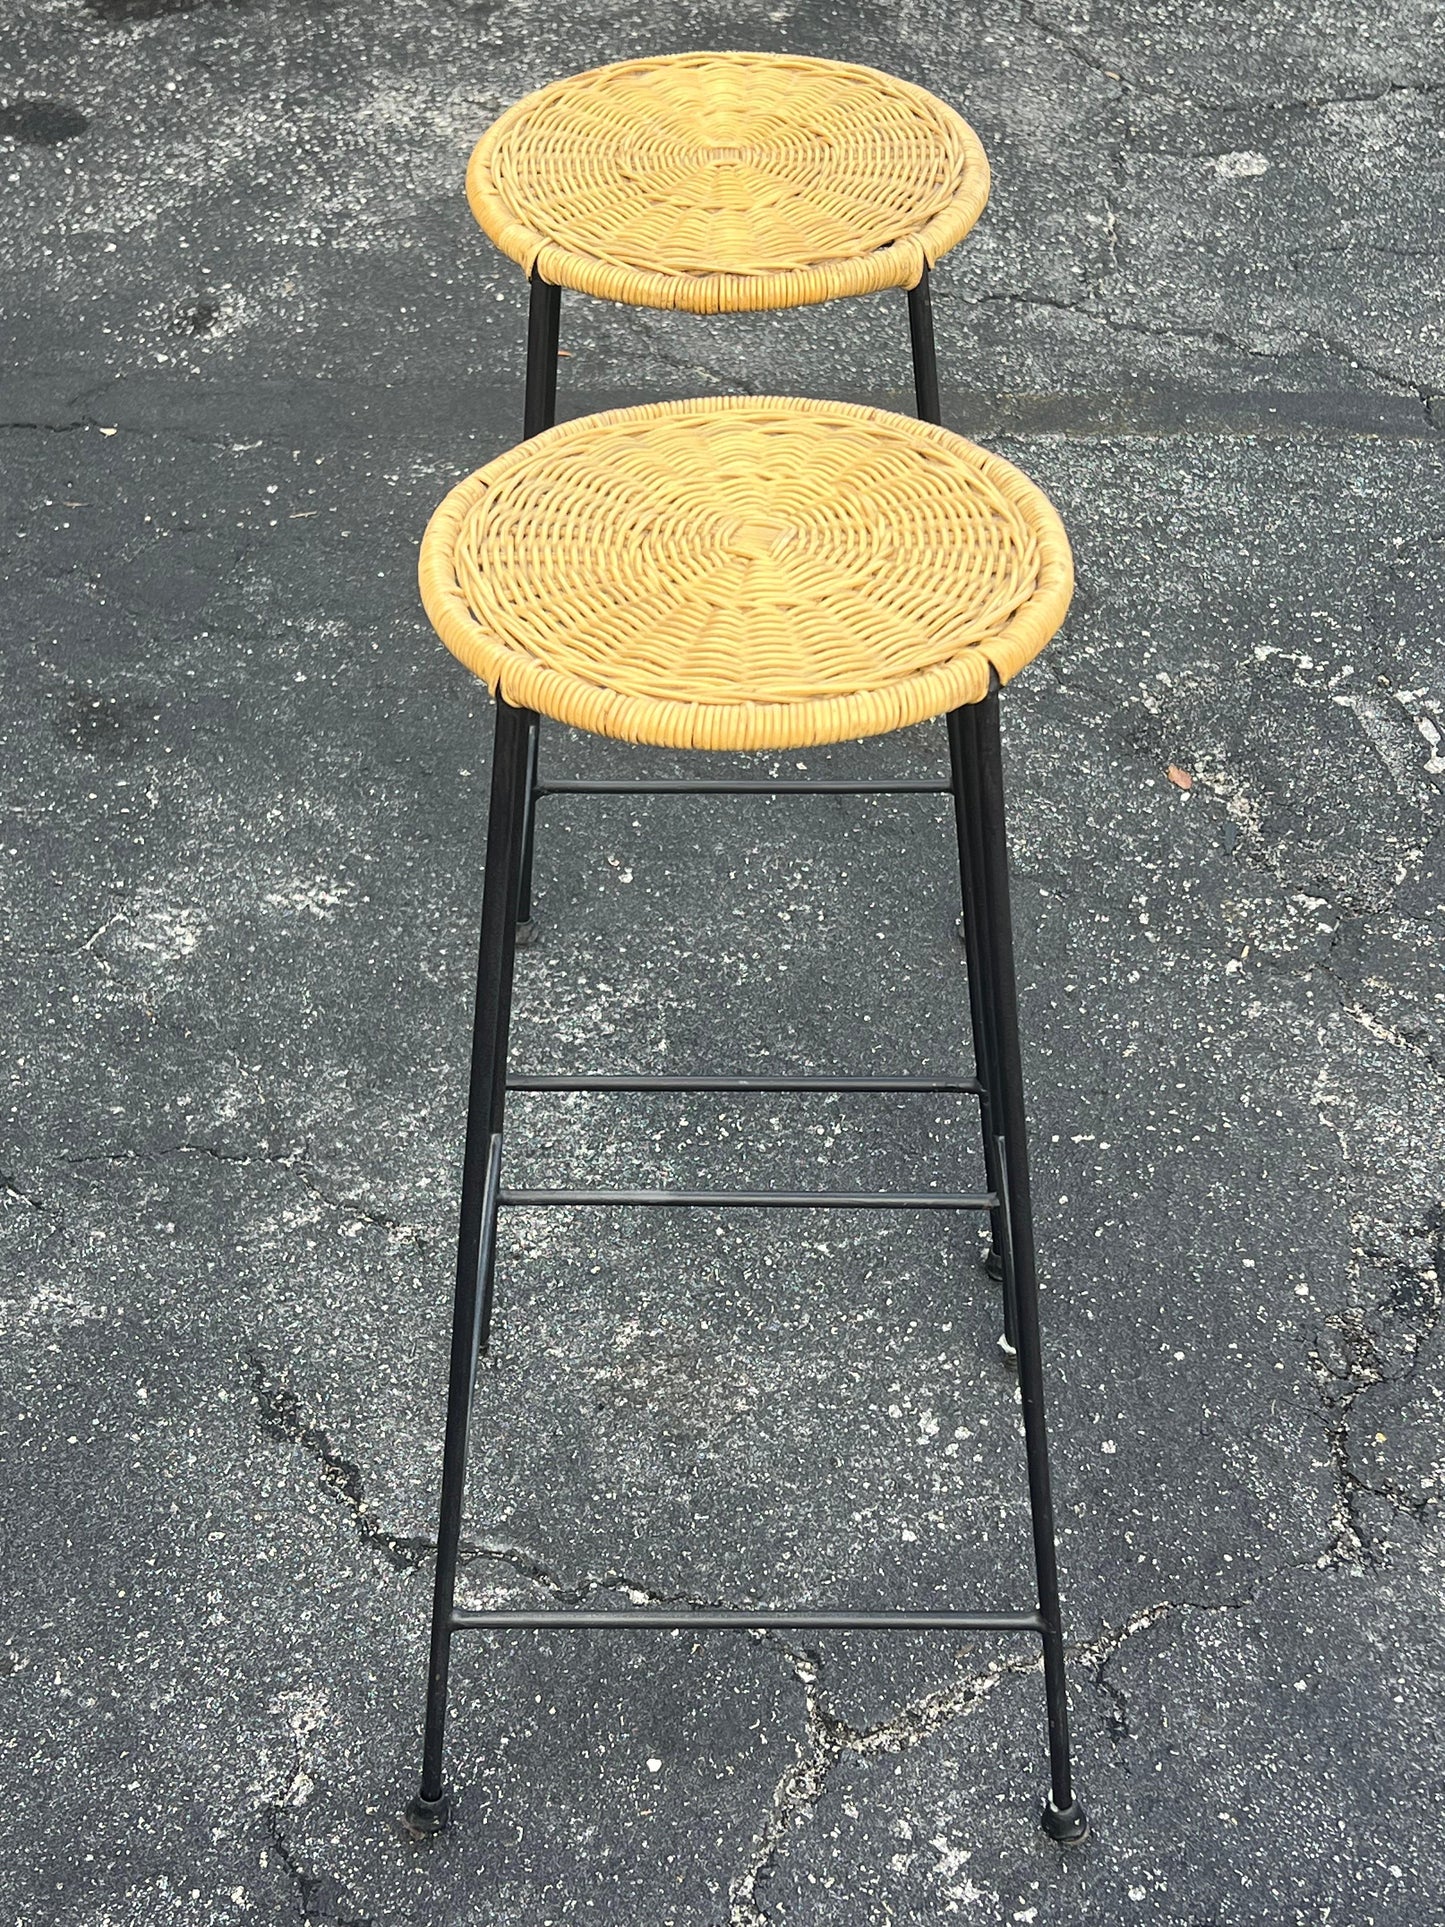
(728, 182)
(695, 575)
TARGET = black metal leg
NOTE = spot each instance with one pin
(476, 1237)
(962, 756)
(529, 833)
(1063, 1817)
(925, 351)
(544, 322)
(963, 760)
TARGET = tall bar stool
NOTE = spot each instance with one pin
(742, 574)
(727, 183)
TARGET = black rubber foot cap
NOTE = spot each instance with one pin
(993, 1265)
(526, 935)
(427, 1818)
(1068, 1825)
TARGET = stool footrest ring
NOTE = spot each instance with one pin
(849, 1086)
(830, 786)
(742, 1619)
(767, 1200)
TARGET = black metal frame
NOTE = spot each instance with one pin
(976, 785)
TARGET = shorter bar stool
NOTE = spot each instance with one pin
(745, 574)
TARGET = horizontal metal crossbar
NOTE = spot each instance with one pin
(768, 1200)
(829, 786)
(628, 1081)
(706, 1619)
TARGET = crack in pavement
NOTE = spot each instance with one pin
(13, 1190)
(281, 1418)
(1029, 13)
(1376, 1026)
(1218, 338)
(56, 428)
(364, 1214)
(681, 365)
(1361, 1360)
(292, 1161)
(1072, 44)
(828, 1739)
(1078, 413)
(306, 1888)
(1100, 1652)
(1317, 102)
(227, 445)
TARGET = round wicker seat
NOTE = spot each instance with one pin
(719, 182)
(743, 573)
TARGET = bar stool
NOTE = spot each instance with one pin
(740, 574)
(725, 183)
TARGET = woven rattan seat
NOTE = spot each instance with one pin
(718, 182)
(744, 573)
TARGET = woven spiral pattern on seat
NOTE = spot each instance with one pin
(743, 573)
(727, 181)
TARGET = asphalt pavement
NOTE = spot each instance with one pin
(252, 335)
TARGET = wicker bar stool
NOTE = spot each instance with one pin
(734, 574)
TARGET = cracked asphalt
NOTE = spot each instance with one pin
(252, 337)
